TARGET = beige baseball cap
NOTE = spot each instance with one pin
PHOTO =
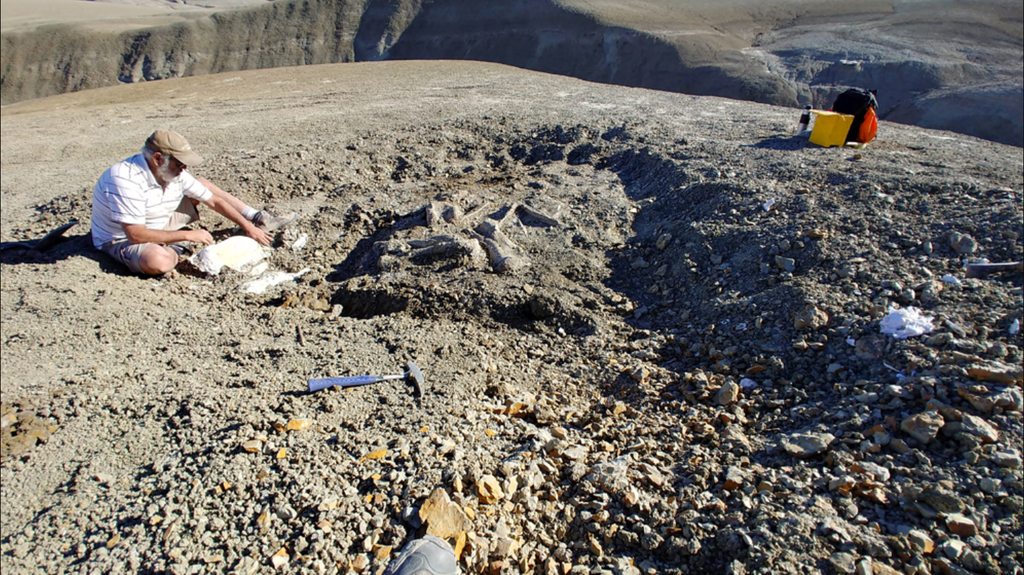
(176, 145)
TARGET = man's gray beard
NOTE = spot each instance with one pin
(164, 172)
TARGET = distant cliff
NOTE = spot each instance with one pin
(534, 34)
(541, 35)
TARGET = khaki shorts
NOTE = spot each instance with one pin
(128, 253)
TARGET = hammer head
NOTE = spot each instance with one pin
(416, 376)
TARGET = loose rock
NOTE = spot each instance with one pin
(923, 426)
(804, 445)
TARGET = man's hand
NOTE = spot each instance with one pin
(199, 236)
(224, 208)
(259, 235)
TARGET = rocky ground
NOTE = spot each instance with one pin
(649, 325)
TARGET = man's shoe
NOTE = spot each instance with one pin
(268, 222)
(427, 556)
(179, 248)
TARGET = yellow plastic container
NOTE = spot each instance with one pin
(830, 128)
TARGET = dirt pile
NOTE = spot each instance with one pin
(651, 336)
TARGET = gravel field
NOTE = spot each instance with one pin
(649, 325)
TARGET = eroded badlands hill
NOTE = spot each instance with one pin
(938, 64)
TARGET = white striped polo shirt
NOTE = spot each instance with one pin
(128, 193)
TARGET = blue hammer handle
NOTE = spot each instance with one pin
(354, 381)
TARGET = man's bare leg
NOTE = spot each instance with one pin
(157, 260)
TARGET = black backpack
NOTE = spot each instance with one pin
(858, 103)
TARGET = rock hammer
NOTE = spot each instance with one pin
(412, 372)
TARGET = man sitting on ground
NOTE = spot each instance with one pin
(141, 205)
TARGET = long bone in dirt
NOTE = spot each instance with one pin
(984, 270)
(412, 373)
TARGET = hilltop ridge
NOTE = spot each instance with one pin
(944, 65)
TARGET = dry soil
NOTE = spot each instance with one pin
(679, 368)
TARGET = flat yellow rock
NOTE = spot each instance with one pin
(264, 519)
(279, 559)
(515, 408)
(442, 517)
(460, 544)
(489, 490)
(359, 563)
(996, 371)
(379, 454)
(300, 424)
